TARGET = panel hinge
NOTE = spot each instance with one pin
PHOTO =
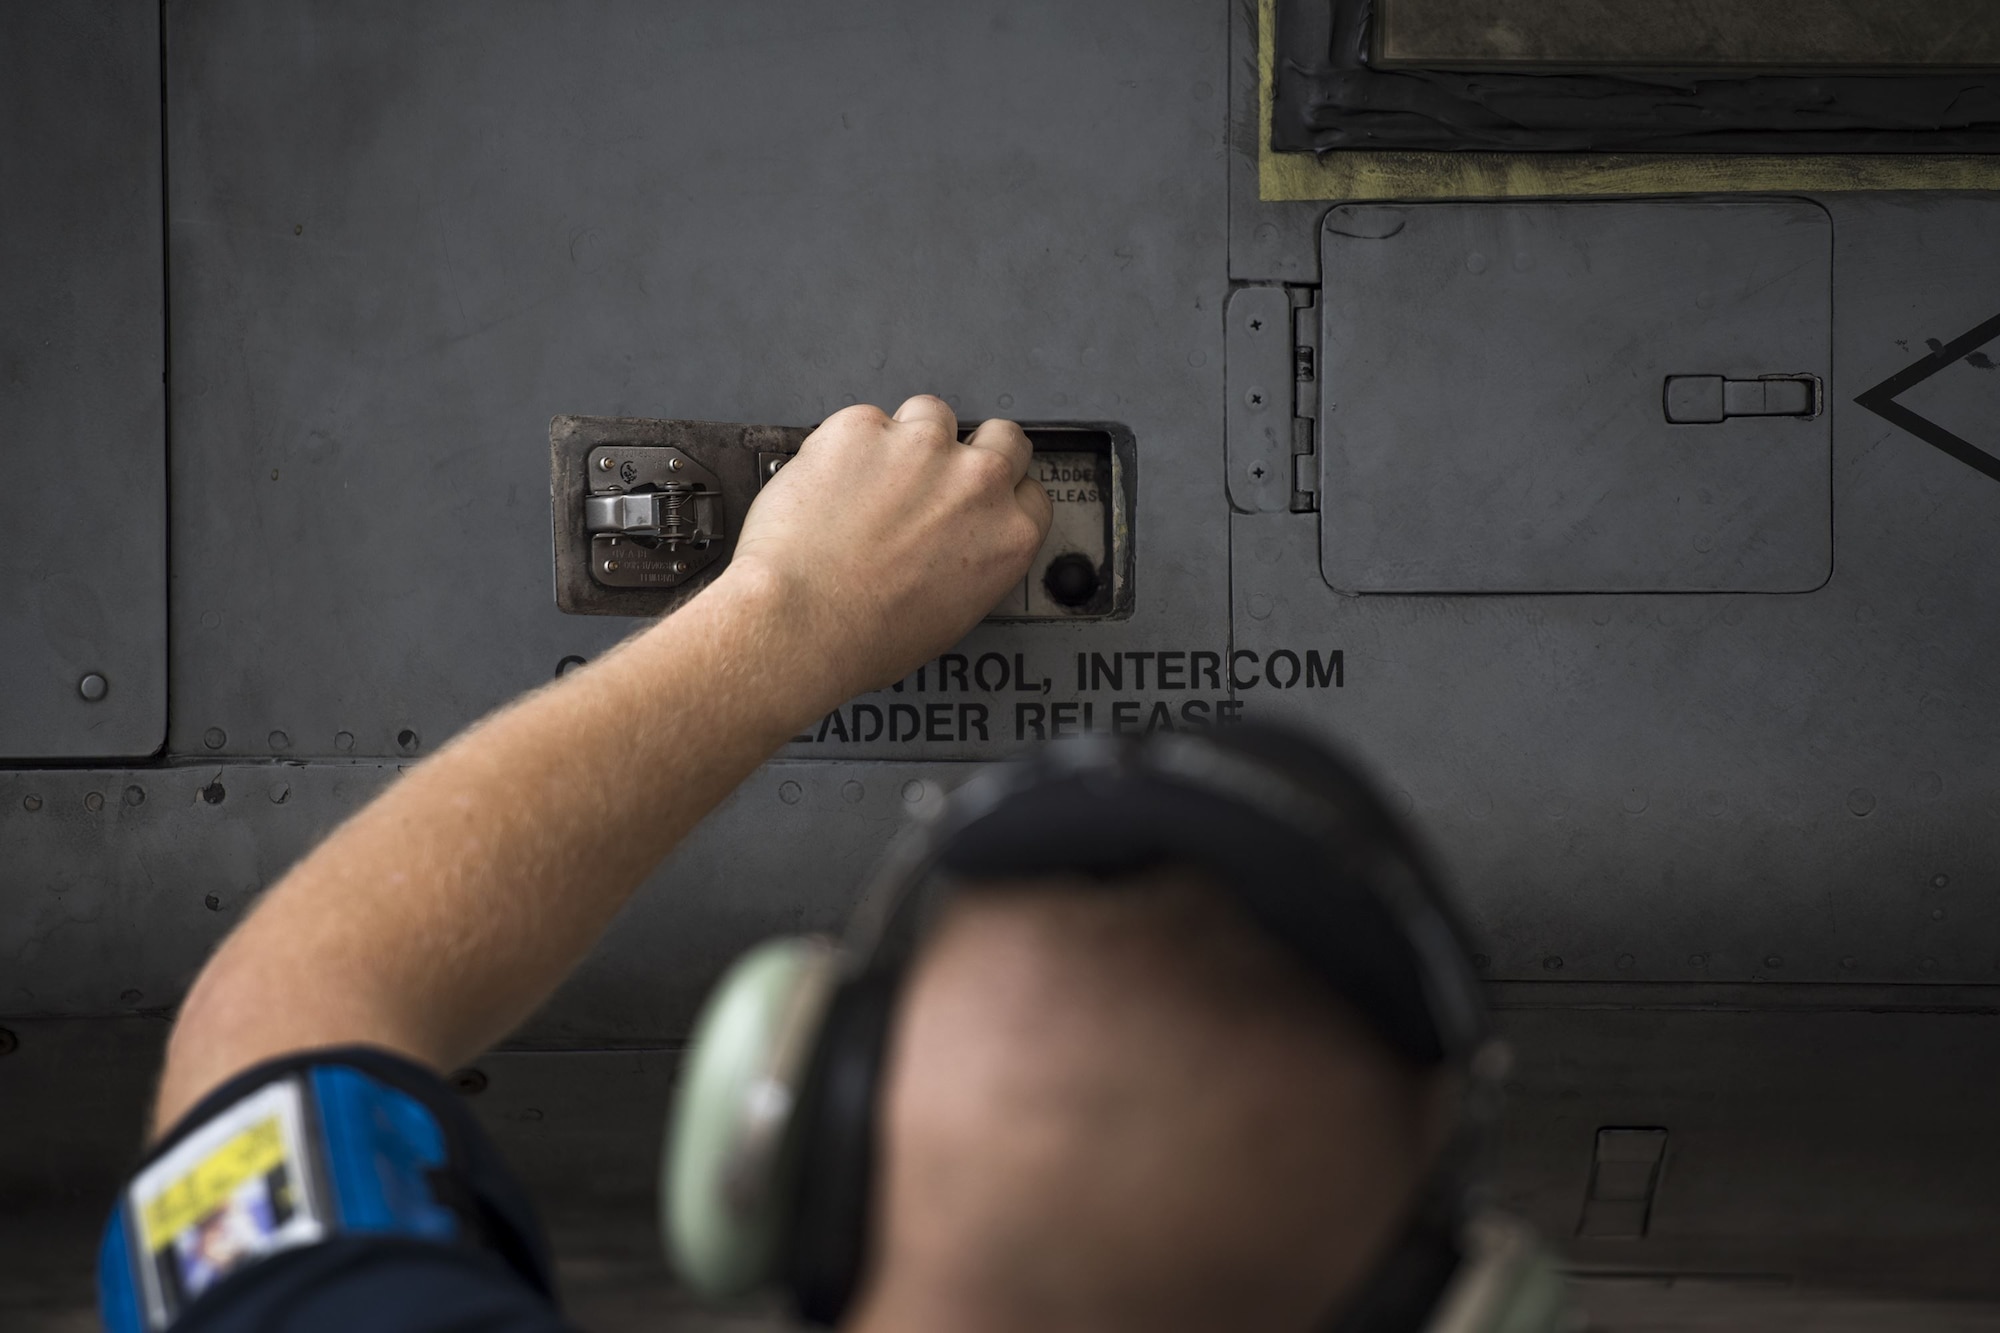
(1305, 400)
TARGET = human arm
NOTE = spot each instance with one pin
(445, 911)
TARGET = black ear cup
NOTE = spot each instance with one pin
(837, 1145)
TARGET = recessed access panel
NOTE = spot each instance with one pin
(646, 512)
(1577, 397)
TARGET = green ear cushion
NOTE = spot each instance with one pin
(725, 1189)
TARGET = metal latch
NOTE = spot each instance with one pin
(1706, 399)
(654, 516)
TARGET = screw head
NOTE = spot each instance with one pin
(93, 687)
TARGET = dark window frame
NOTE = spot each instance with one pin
(1327, 95)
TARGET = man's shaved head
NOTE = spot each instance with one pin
(1123, 1106)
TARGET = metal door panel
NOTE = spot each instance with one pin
(1499, 408)
(83, 505)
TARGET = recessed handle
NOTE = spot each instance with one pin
(1703, 400)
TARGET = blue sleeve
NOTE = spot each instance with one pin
(350, 1188)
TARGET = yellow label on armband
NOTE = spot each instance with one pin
(251, 1153)
(239, 1186)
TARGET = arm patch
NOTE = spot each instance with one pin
(309, 1151)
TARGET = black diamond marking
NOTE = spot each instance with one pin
(1881, 400)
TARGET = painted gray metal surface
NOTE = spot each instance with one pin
(1492, 415)
(1257, 402)
(404, 237)
(83, 517)
(121, 882)
(1690, 788)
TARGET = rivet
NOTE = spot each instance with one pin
(93, 686)
(1860, 801)
(9, 1043)
(280, 792)
(1552, 963)
(771, 468)
(343, 741)
(1626, 961)
(568, 664)
(676, 463)
(215, 738)
(913, 791)
(31, 803)
(1937, 914)
(789, 792)
(213, 793)
(1848, 963)
(93, 801)
(135, 795)
(605, 464)
(279, 740)
(851, 791)
(680, 566)
(212, 903)
(1697, 960)
(130, 996)
(611, 566)
(1939, 881)
(407, 741)
(469, 1082)
(1773, 962)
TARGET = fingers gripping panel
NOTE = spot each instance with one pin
(647, 512)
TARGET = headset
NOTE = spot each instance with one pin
(770, 1150)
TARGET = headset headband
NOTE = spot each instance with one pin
(1298, 839)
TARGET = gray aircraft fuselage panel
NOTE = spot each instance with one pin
(1640, 539)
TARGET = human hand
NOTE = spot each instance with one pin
(888, 539)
